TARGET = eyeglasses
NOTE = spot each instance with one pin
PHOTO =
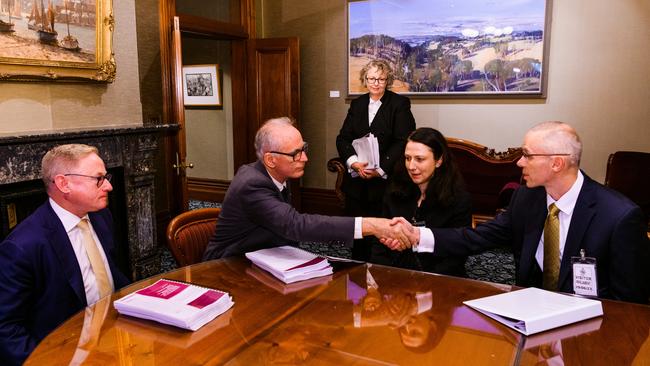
(527, 156)
(100, 179)
(296, 154)
(375, 80)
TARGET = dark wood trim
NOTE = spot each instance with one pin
(166, 9)
(240, 132)
(162, 220)
(211, 28)
(321, 201)
(203, 189)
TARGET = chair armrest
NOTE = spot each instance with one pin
(336, 165)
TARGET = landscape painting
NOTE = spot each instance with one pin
(452, 48)
(56, 39)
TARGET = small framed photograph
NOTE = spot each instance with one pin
(201, 85)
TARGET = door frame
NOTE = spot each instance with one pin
(237, 32)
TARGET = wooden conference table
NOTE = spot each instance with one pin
(361, 315)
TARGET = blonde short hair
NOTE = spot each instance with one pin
(63, 158)
(382, 66)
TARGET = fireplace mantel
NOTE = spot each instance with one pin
(131, 149)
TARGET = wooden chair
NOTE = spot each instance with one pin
(629, 173)
(189, 232)
(489, 175)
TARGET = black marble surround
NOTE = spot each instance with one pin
(132, 150)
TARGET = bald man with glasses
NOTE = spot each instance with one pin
(560, 216)
(59, 259)
(257, 212)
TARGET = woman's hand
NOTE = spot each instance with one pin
(360, 168)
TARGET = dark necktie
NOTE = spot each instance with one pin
(286, 195)
(551, 249)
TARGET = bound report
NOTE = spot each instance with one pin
(290, 264)
(533, 310)
(175, 303)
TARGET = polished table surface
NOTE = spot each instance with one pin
(360, 315)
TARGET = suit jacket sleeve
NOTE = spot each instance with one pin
(16, 283)
(402, 124)
(629, 251)
(467, 241)
(263, 207)
(347, 133)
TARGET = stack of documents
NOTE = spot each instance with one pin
(367, 148)
(533, 310)
(175, 303)
(290, 264)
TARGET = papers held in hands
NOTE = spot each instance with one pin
(175, 303)
(367, 148)
(533, 310)
(290, 264)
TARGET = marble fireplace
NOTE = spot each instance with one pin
(128, 154)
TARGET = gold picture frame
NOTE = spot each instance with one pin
(57, 40)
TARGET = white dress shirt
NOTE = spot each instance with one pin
(566, 204)
(70, 221)
(373, 108)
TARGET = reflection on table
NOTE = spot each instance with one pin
(363, 314)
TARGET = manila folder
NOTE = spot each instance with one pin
(533, 310)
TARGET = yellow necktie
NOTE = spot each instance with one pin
(96, 262)
(552, 249)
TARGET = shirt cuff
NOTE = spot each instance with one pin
(358, 228)
(351, 160)
(382, 173)
(427, 241)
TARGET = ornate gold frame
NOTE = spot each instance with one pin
(103, 69)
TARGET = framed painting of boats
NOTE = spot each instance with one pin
(452, 48)
(57, 40)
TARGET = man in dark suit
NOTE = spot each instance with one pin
(388, 117)
(59, 259)
(257, 213)
(591, 218)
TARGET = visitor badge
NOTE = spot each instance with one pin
(585, 282)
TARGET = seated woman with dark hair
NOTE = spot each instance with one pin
(427, 190)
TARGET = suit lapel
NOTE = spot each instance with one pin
(583, 213)
(64, 252)
(533, 228)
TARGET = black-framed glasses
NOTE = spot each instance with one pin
(296, 154)
(100, 179)
(528, 155)
(375, 80)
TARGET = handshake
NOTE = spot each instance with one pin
(396, 233)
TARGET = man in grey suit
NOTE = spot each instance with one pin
(257, 213)
(590, 219)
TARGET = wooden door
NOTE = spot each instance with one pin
(179, 163)
(273, 88)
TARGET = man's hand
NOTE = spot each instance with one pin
(383, 228)
(412, 233)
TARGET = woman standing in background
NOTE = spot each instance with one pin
(388, 117)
